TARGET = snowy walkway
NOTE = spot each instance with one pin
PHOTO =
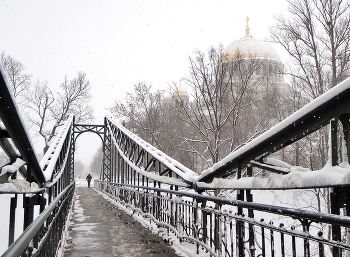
(98, 228)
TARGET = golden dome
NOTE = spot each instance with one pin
(180, 91)
(249, 47)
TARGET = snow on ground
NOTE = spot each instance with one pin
(80, 182)
(78, 213)
(183, 249)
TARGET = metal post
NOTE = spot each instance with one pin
(12, 222)
(250, 214)
(335, 209)
(344, 119)
(204, 222)
(217, 230)
(196, 228)
(28, 205)
(240, 224)
(334, 146)
(337, 194)
(72, 151)
(306, 229)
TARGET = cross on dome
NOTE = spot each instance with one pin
(247, 28)
(249, 47)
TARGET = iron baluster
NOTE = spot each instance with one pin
(263, 246)
(272, 241)
(282, 240)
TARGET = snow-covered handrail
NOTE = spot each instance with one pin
(180, 170)
(14, 126)
(308, 119)
(49, 161)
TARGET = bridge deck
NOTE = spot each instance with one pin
(99, 228)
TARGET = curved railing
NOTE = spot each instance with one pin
(149, 163)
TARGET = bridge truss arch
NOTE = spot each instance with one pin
(79, 129)
(83, 128)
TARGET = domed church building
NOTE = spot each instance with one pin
(241, 94)
(258, 63)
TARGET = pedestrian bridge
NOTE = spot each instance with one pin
(183, 206)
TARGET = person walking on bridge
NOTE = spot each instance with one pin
(88, 178)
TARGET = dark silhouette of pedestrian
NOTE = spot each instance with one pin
(88, 178)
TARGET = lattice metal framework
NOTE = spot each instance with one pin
(128, 158)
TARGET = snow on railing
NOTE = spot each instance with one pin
(17, 142)
(326, 177)
(175, 166)
(312, 116)
(50, 158)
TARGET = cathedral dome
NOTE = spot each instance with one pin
(180, 91)
(249, 47)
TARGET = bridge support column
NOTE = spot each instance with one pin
(106, 165)
(340, 196)
(71, 156)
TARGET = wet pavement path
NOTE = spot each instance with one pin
(99, 228)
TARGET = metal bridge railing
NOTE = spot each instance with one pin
(228, 227)
(151, 183)
(46, 186)
(41, 237)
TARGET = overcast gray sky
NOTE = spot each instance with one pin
(118, 43)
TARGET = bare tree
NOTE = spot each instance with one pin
(95, 164)
(40, 99)
(150, 115)
(142, 112)
(73, 100)
(224, 97)
(50, 112)
(80, 169)
(14, 69)
(316, 34)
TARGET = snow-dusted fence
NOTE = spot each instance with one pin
(44, 189)
(227, 227)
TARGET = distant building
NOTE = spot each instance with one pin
(263, 64)
(265, 70)
(248, 63)
(181, 94)
(267, 62)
